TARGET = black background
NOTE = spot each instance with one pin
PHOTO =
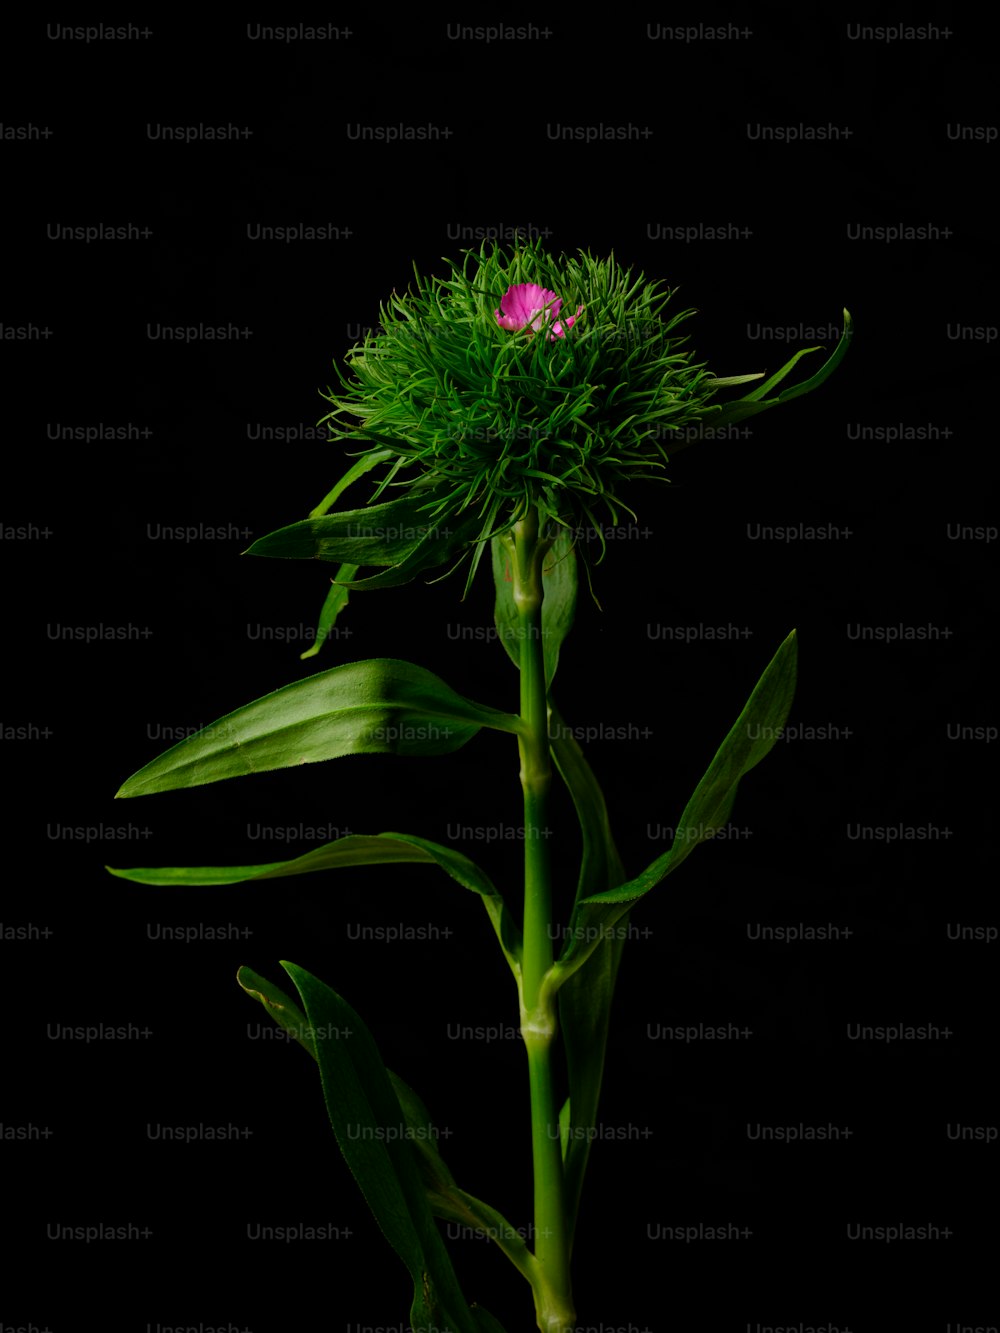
(83, 547)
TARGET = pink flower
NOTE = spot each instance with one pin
(527, 304)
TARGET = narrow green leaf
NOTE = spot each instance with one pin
(711, 382)
(383, 706)
(381, 534)
(421, 1133)
(282, 1009)
(755, 402)
(564, 1124)
(398, 534)
(600, 865)
(487, 1323)
(434, 548)
(371, 1130)
(778, 375)
(364, 464)
(585, 995)
(354, 850)
(558, 604)
(446, 1200)
(814, 381)
(753, 736)
(336, 600)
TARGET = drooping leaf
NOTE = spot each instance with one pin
(444, 1197)
(353, 850)
(280, 1006)
(383, 706)
(371, 1130)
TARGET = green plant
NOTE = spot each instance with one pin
(489, 420)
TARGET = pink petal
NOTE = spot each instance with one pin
(527, 303)
(557, 329)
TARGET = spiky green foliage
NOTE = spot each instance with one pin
(478, 421)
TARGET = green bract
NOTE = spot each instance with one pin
(480, 423)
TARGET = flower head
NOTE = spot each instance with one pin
(466, 428)
(527, 303)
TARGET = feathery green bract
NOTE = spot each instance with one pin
(483, 421)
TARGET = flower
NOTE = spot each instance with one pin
(527, 303)
(465, 429)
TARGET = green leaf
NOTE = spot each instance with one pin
(586, 970)
(371, 1130)
(398, 534)
(754, 734)
(383, 706)
(558, 600)
(353, 850)
(487, 1323)
(564, 1124)
(422, 1135)
(364, 464)
(446, 1200)
(381, 534)
(755, 402)
(281, 1008)
(711, 382)
(586, 994)
(444, 1197)
(437, 546)
(336, 600)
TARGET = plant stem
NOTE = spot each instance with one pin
(553, 1298)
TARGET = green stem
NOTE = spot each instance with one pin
(553, 1296)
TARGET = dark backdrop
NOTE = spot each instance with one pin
(747, 159)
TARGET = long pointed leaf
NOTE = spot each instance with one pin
(585, 997)
(753, 735)
(755, 402)
(280, 1006)
(814, 381)
(364, 464)
(383, 706)
(381, 534)
(353, 850)
(434, 548)
(336, 600)
(446, 1200)
(371, 1130)
(398, 534)
(444, 1197)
